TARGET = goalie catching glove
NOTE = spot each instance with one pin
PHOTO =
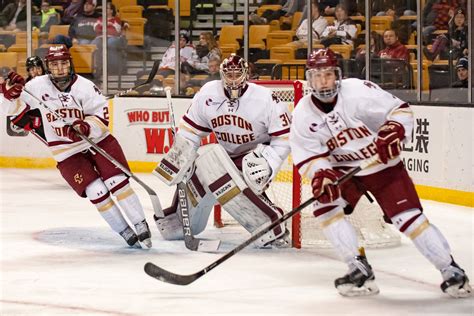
(259, 167)
(388, 140)
(324, 189)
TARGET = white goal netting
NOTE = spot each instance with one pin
(288, 190)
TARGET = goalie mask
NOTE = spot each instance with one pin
(234, 74)
(59, 66)
(323, 74)
(34, 67)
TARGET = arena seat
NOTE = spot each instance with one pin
(130, 12)
(83, 58)
(229, 35)
(282, 52)
(9, 59)
(55, 30)
(135, 33)
(381, 23)
(257, 36)
(120, 3)
(265, 7)
(343, 49)
(279, 38)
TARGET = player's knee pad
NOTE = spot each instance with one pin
(216, 171)
(117, 183)
(404, 219)
(97, 192)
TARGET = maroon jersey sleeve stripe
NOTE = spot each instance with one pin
(19, 116)
(282, 132)
(196, 126)
(61, 142)
(326, 154)
(106, 122)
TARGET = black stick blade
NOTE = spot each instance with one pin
(165, 276)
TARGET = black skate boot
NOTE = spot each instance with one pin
(359, 281)
(456, 282)
(130, 237)
(144, 234)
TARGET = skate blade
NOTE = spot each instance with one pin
(350, 290)
(136, 245)
(459, 292)
(147, 243)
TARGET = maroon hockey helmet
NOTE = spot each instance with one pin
(234, 74)
(57, 75)
(323, 63)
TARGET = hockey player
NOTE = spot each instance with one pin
(251, 126)
(342, 123)
(80, 103)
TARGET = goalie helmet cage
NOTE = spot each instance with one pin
(288, 190)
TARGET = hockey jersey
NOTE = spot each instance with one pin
(345, 136)
(82, 100)
(256, 117)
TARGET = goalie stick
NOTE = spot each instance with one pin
(180, 279)
(155, 201)
(191, 242)
(149, 80)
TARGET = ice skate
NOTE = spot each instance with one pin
(284, 241)
(359, 281)
(144, 234)
(130, 237)
(456, 282)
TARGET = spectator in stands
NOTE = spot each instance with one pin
(342, 32)
(116, 42)
(81, 31)
(213, 66)
(457, 36)
(48, 16)
(394, 8)
(393, 48)
(436, 16)
(289, 7)
(376, 45)
(187, 54)
(462, 72)
(205, 50)
(73, 9)
(13, 16)
(318, 26)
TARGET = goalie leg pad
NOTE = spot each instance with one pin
(217, 172)
(171, 227)
(174, 165)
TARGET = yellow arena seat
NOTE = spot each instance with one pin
(135, 33)
(83, 58)
(9, 59)
(229, 35)
(131, 11)
(257, 34)
(58, 30)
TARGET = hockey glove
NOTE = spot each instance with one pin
(388, 140)
(78, 126)
(324, 189)
(13, 86)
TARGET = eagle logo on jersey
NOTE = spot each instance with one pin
(208, 102)
(78, 178)
(335, 122)
(64, 98)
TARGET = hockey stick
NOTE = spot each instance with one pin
(191, 242)
(155, 201)
(180, 279)
(151, 77)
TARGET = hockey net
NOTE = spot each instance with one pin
(288, 190)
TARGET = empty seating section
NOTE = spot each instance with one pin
(135, 33)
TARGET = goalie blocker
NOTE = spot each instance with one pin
(217, 179)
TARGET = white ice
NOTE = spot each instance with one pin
(58, 257)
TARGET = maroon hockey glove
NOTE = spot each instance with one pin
(324, 189)
(79, 125)
(15, 78)
(388, 140)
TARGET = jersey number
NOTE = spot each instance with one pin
(285, 120)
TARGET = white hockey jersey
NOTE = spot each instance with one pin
(82, 101)
(345, 136)
(256, 117)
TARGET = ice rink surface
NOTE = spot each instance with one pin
(58, 257)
